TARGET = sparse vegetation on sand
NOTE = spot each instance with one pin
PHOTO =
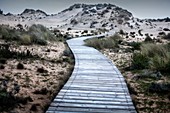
(34, 66)
(145, 65)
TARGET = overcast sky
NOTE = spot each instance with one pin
(139, 8)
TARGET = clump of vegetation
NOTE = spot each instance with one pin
(148, 39)
(20, 66)
(3, 60)
(140, 32)
(121, 32)
(67, 52)
(41, 70)
(101, 43)
(25, 39)
(167, 36)
(159, 88)
(139, 61)
(2, 66)
(135, 45)
(8, 99)
(162, 33)
(152, 56)
(6, 53)
(40, 34)
(42, 91)
(36, 34)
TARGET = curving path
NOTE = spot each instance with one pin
(95, 86)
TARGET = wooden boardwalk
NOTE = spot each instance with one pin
(95, 86)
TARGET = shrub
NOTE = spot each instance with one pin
(37, 34)
(42, 91)
(152, 56)
(121, 32)
(20, 26)
(139, 32)
(135, 45)
(151, 50)
(67, 52)
(166, 29)
(108, 42)
(160, 63)
(69, 29)
(2, 66)
(139, 61)
(4, 32)
(41, 70)
(25, 39)
(6, 53)
(120, 21)
(162, 33)
(20, 66)
(74, 22)
(167, 36)
(9, 34)
(39, 41)
(6, 100)
(3, 60)
(148, 39)
(9, 101)
(159, 88)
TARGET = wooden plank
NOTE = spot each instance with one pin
(91, 106)
(93, 102)
(96, 82)
(84, 110)
(95, 95)
(94, 98)
(95, 92)
(96, 89)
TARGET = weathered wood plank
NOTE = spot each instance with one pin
(95, 95)
(91, 106)
(96, 102)
(86, 110)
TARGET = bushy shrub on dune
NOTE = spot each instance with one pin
(8, 34)
(39, 34)
(104, 43)
(152, 56)
(36, 34)
(25, 39)
(167, 36)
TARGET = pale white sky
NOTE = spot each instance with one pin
(139, 8)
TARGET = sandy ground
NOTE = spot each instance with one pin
(39, 87)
